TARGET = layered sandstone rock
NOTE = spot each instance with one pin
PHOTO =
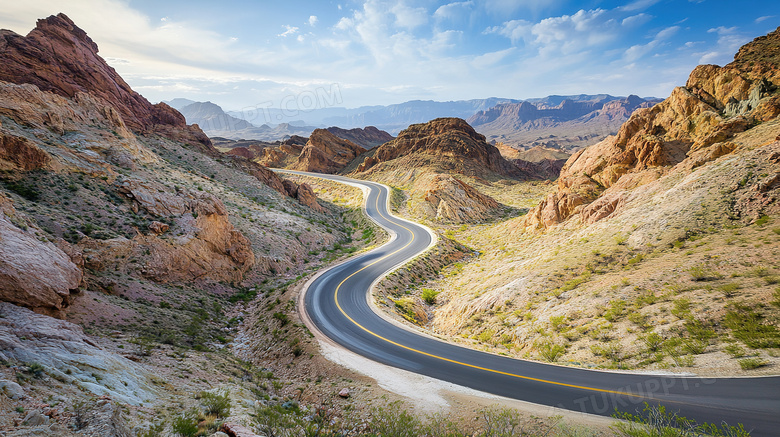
(450, 142)
(208, 246)
(368, 137)
(326, 153)
(33, 272)
(688, 129)
(449, 199)
(57, 56)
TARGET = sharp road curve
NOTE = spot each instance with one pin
(336, 305)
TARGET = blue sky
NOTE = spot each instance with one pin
(241, 54)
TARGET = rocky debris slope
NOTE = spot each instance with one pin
(368, 137)
(690, 128)
(59, 57)
(448, 199)
(65, 353)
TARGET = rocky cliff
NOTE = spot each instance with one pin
(322, 152)
(57, 56)
(690, 128)
(367, 138)
(448, 144)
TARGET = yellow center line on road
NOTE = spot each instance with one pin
(473, 366)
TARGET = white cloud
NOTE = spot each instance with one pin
(492, 58)
(452, 11)
(515, 30)
(409, 17)
(313, 20)
(764, 18)
(667, 33)
(290, 30)
(636, 20)
(638, 5)
(730, 39)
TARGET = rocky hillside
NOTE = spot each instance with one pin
(659, 244)
(118, 217)
(448, 144)
(322, 152)
(60, 58)
(690, 128)
(567, 123)
(367, 138)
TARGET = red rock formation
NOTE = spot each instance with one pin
(59, 57)
(453, 200)
(446, 139)
(368, 137)
(326, 153)
(688, 129)
(20, 153)
(33, 273)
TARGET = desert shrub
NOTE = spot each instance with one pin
(617, 307)
(217, 404)
(394, 421)
(27, 191)
(656, 421)
(729, 289)
(185, 425)
(752, 363)
(734, 350)
(748, 326)
(429, 295)
(550, 351)
(681, 308)
(700, 273)
(653, 342)
(282, 318)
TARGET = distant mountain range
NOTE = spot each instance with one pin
(566, 122)
(562, 122)
(215, 122)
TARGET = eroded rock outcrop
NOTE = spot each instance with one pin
(207, 245)
(326, 153)
(450, 142)
(34, 273)
(450, 199)
(688, 129)
(57, 56)
(368, 137)
(70, 356)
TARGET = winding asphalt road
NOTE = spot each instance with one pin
(337, 305)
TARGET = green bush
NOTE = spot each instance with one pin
(216, 404)
(185, 425)
(656, 421)
(752, 363)
(429, 295)
(282, 318)
(550, 351)
(748, 326)
(734, 350)
(729, 289)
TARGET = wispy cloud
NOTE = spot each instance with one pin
(290, 30)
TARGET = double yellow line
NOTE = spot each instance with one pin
(411, 349)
